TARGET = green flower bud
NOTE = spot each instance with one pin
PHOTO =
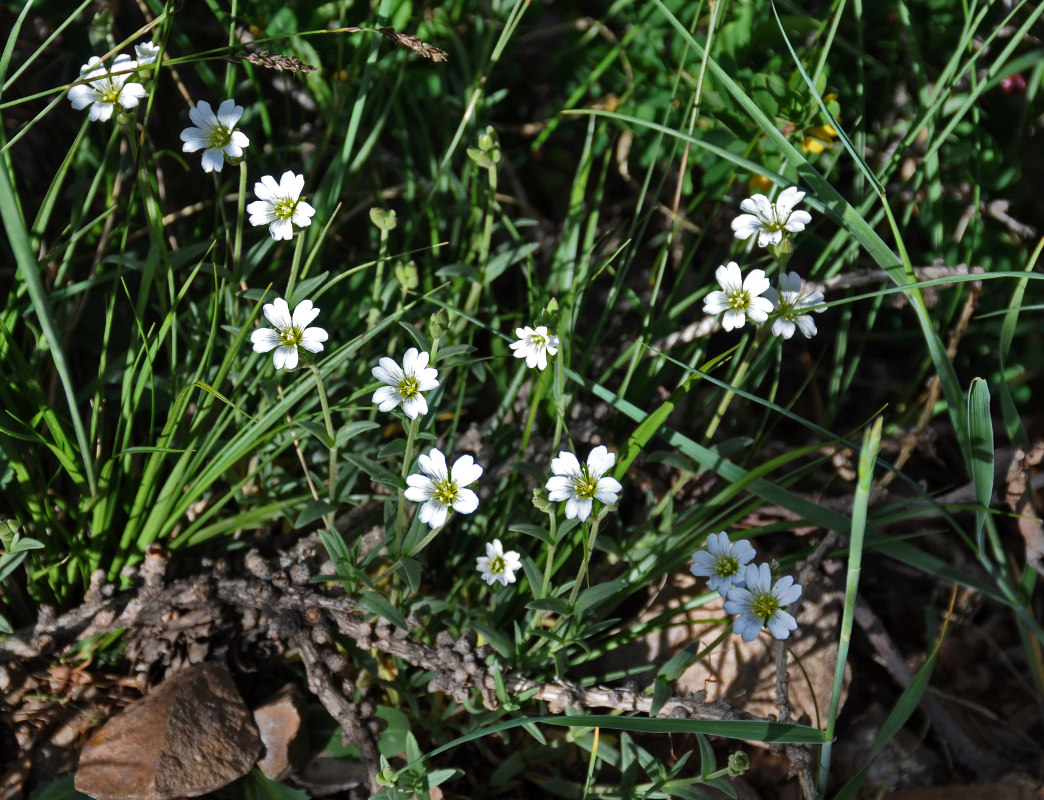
(738, 763)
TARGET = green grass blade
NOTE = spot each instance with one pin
(904, 708)
(29, 270)
(980, 456)
(839, 209)
(867, 461)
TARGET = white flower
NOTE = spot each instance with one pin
(216, 133)
(579, 485)
(290, 332)
(535, 345)
(760, 604)
(102, 90)
(722, 563)
(768, 220)
(279, 205)
(441, 490)
(405, 383)
(497, 565)
(146, 53)
(791, 305)
(740, 298)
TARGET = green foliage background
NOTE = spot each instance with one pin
(135, 412)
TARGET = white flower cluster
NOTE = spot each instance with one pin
(770, 221)
(278, 205)
(102, 88)
(441, 489)
(753, 298)
(747, 588)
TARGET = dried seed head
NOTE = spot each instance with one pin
(274, 61)
(411, 42)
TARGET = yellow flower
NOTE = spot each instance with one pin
(819, 138)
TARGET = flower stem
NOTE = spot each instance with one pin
(328, 418)
(237, 248)
(407, 459)
(483, 254)
(736, 380)
(546, 587)
(294, 266)
(378, 281)
(588, 550)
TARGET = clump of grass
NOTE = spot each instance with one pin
(177, 377)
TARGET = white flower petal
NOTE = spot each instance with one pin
(213, 160)
(786, 201)
(745, 226)
(467, 501)
(565, 464)
(465, 471)
(600, 461)
(415, 406)
(264, 339)
(278, 314)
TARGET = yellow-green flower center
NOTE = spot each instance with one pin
(284, 208)
(774, 224)
(497, 565)
(726, 567)
(765, 605)
(739, 300)
(585, 485)
(111, 93)
(408, 387)
(218, 137)
(446, 492)
(291, 337)
(538, 340)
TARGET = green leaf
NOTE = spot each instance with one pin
(536, 531)
(312, 511)
(411, 570)
(981, 455)
(305, 289)
(375, 471)
(901, 712)
(317, 430)
(353, 429)
(662, 692)
(25, 544)
(9, 562)
(498, 640)
(438, 776)
(555, 605)
(598, 594)
(379, 605)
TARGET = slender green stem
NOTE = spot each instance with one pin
(483, 253)
(237, 248)
(535, 398)
(328, 419)
(382, 256)
(407, 460)
(589, 543)
(378, 281)
(295, 266)
(549, 566)
(736, 380)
